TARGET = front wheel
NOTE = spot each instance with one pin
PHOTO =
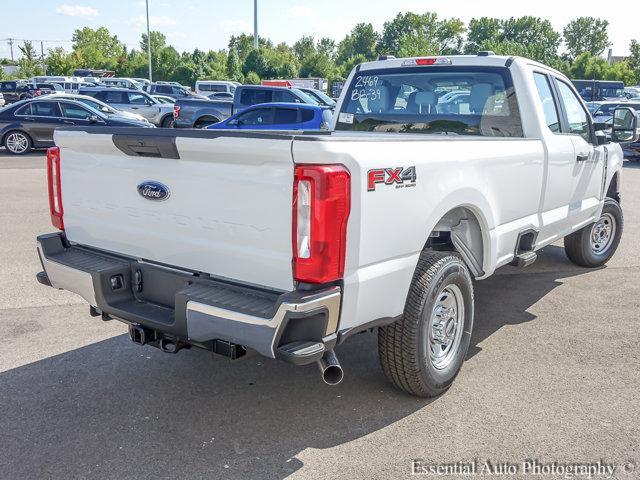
(423, 351)
(17, 143)
(167, 122)
(593, 245)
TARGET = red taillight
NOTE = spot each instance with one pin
(425, 61)
(321, 204)
(176, 111)
(55, 193)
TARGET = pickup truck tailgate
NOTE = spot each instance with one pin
(228, 210)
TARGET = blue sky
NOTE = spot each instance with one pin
(207, 24)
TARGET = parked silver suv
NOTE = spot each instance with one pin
(134, 101)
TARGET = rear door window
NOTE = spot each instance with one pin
(452, 100)
(45, 109)
(114, 97)
(284, 96)
(285, 116)
(253, 96)
(259, 116)
(26, 110)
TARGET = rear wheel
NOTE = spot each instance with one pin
(423, 351)
(167, 122)
(17, 142)
(593, 245)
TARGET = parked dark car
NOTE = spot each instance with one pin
(597, 90)
(189, 113)
(278, 116)
(30, 124)
(15, 90)
(319, 96)
(171, 90)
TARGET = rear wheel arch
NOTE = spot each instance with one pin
(13, 130)
(464, 230)
(206, 120)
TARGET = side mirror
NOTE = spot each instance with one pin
(94, 119)
(625, 125)
(233, 123)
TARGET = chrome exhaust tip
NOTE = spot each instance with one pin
(330, 368)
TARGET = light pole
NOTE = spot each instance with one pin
(149, 43)
(255, 24)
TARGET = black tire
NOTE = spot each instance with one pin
(20, 136)
(405, 348)
(205, 122)
(579, 246)
(167, 122)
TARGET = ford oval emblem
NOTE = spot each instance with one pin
(152, 190)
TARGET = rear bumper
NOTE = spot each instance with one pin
(188, 308)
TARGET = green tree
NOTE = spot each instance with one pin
(586, 34)
(481, 32)
(97, 48)
(318, 65)
(29, 63)
(414, 45)
(257, 63)
(243, 44)
(363, 40)
(252, 78)
(234, 68)
(304, 48)
(327, 46)
(59, 62)
(533, 35)
(634, 58)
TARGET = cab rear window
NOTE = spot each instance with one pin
(449, 100)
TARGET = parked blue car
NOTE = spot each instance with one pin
(278, 116)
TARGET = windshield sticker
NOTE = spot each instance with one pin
(345, 117)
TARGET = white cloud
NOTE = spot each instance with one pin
(76, 11)
(301, 11)
(176, 35)
(234, 27)
(155, 21)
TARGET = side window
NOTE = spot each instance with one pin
(45, 109)
(252, 96)
(285, 116)
(551, 116)
(283, 96)
(137, 99)
(114, 97)
(576, 114)
(306, 115)
(259, 116)
(163, 89)
(70, 110)
(26, 110)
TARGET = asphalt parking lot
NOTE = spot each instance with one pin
(553, 374)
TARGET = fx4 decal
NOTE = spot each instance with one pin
(399, 176)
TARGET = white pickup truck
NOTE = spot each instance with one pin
(437, 171)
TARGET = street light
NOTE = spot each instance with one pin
(255, 24)
(149, 42)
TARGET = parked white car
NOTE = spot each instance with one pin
(208, 87)
(288, 244)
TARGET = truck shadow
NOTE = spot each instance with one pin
(504, 298)
(115, 410)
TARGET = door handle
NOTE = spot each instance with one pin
(582, 157)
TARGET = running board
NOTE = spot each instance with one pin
(524, 259)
